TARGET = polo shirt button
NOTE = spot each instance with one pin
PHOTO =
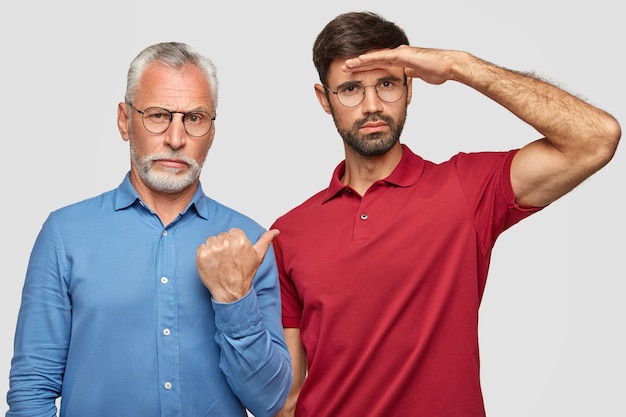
(364, 216)
(164, 280)
(166, 332)
(167, 385)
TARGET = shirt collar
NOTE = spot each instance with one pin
(126, 196)
(406, 173)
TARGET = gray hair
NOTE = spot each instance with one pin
(174, 55)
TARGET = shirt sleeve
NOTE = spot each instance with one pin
(291, 304)
(43, 332)
(485, 179)
(254, 355)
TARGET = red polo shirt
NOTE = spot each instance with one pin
(386, 287)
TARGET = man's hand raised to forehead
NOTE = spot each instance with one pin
(227, 263)
(434, 66)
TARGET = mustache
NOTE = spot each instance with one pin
(371, 118)
(170, 155)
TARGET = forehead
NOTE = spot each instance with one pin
(336, 76)
(168, 87)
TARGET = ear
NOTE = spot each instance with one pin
(320, 92)
(123, 122)
(211, 136)
(409, 90)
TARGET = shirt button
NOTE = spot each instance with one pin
(167, 385)
(166, 332)
(164, 232)
(364, 216)
(163, 280)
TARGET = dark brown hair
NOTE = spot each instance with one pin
(352, 34)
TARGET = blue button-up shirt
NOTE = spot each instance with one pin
(115, 320)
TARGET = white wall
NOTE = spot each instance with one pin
(552, 321)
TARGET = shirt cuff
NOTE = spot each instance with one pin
(237, 317)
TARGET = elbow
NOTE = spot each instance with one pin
(606, 143)
(613, 135)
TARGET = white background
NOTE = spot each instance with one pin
(552, 320)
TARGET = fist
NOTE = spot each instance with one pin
(227, 263)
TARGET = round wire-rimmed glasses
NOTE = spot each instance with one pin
(352, 94)
(157, 120)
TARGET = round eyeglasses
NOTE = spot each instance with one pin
(156, 120)
(353, 93)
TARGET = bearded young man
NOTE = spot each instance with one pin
(382, 273)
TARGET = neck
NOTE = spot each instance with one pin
(362, 171)
(166, 205)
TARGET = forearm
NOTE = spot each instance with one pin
(299, 366)
(37, 367)
(572, 126)
(42, 334)
(22, 403)
(253, 358)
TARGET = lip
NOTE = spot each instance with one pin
(172, 163)
(374, 126)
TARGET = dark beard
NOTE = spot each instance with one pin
(373, 144)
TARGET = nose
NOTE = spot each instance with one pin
(371, 102)
(176, 135)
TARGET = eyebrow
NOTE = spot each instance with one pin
(200, 108)
(378, 81)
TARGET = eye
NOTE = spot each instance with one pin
(196, 117)
(157, 115)
(351, 89)
(387, 85)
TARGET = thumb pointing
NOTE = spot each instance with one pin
(263, 244)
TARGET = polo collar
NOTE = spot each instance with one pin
(406, 173)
